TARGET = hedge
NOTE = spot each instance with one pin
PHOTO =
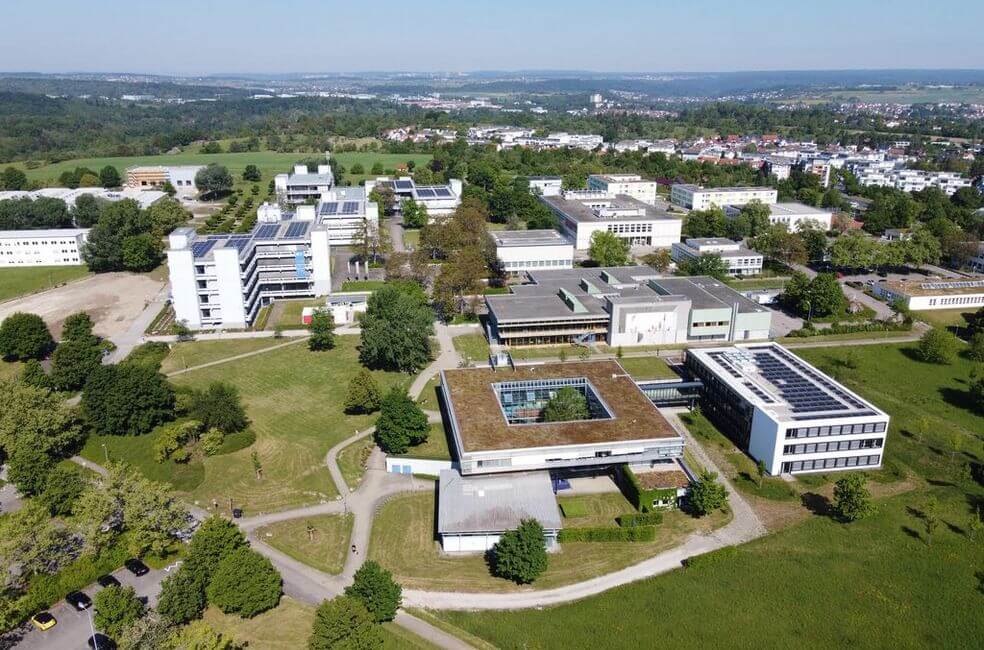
(711, 558)
(236, 441)
(837, 328)
(608, 534)
(641, 498)
(640, 519)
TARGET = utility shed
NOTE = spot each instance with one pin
(473, 511)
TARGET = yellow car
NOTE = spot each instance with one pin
(44, 621)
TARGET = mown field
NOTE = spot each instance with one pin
(15, 282)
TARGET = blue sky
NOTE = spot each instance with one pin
(209, 36)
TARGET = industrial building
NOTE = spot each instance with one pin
(622, 306)
(582, 213)
(933, 293)
(440, 200)
(740, 260)
(528, 250)
(786, 413)
(153, 177)
(632, 185)
(694, 197)
(57, 247)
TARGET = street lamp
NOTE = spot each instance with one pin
(105, 452)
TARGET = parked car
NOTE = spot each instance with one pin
(44, 621)
(107, 581)
(136, 567)
(99, 641)
(79, 601)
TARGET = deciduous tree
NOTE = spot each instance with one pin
(375, 588)
(938, 346)
(707, 494)
(363, 393)
(126, 400)
(24, 336)
(244, 583)
(401, 422)
(344, 623)
(322, 331)
(852, 500)
(608, 249)
(568, 404)
(520, 555)
(117, 607)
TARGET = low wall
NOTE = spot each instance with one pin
(399, 465)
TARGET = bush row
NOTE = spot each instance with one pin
(608, 534)
(711, 558)
(837, 328)
(640, 519)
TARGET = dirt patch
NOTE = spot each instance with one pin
(113, 300)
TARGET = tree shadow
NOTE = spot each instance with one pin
(13, 638)
(956, 530)
(958, 398)
(914, 534)
(818, 504)
(915, 512)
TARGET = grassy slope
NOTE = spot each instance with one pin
(324, 551)
(16, 282)
(435, 447)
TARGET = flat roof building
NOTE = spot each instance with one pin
(791, 214)
(144, 198)
(786, 413)
(546, 185)
(440, 200)
(623, 306)
(55, 247)
(302, 186)
(529, 250)
(694, 197)
(581, 214)
(153, 177)
(933, 293)
(632, 185)
(740, 260)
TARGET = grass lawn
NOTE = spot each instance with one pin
(594, 509)
(324, 549)
(434, 448)
(294, 398)
(850, 336)
(647, 368)
(428, 399)
(138, 452)
(363, 285)
(757, 283)
(289, 314)
(196, 353)
(818, 584)
(411, 238)
(16, 282)
(944, 317)
(472, 346)
(352, 461)
(415, 559)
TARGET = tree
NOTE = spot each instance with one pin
(13, 179)
(199, 635)
(660, 259)
(401, 422)
(103, 250)
(931, 519)
(705, 223)
(117, 608)
(182, 596)
(35, 418)
(28, 467)
(86, 210)
(363, 394)
(395, 331)
(141, 253)
(77, 327)
(566, 405)
(166, 215)
(938, 346)
(414, 214)
(460, 276)
(109, 177)
(854, 250)
(852, 500)
(252, 173)
(825, 295)
(384, 197)
(33, 374)
(322, 330)
(608, 249)
(62, 489)
(31, 543)
(211, 147)
(712, 265)
(24, 336)
(72, 363)
(752, 220)
(375, 588)
(244, 583)
(520, 555)
(707, 495)
(777, 243)
(219, 407)
(976, 349)
(344, 623)
(151, 515)
(214, 180)
(214, 540)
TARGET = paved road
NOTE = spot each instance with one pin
(10, 498)
(395, 226)
(134, 335)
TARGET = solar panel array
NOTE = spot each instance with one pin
(329, 208)
(442, 192)
(350, 207)
(200, 249)
(425, 193)
(268, 231)
(297, 229)
(969, 284)
(239, 242)
(404, 185)
(802, 395)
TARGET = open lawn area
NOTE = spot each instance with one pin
(352, 460)
(818, 584)
(434, 448)
(472, 346)
(415, 559)
(363, 285)
(428, 399)
(647, 368)
(196, 353)
(286, 314)
(294, 399)
(411, 238)
(16, 282)
(323, 547)
(849, 336)
(944, 317)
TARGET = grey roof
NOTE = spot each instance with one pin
(310, 179)
(621, 207)
(792, 207)
(707, 293)
(34, 234)
(495, 503)
(544, 178)
(711, 241)
(506, 238)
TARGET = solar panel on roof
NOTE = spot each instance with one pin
(350, 207)
(425, 193)
(404, 185)
(239, 243)
(329, 208)
(200, 249)
(298, 229)
(442, 192)
(268, 231)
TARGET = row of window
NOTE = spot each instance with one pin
(837, 430)
(630, 227)
(43, 242)
(710, 323)
(830, 463)
(836, 445)
(565, 264)
(962, 300)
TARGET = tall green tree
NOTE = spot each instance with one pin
(938, 346)
(126, 400)
(401, 422)
(375, 588)
(24, 336)
(109, 177)
(252, 173)
(117, 608)
(852, 499)
(213, 181)
(608, 249)
(220, 407)
(72, 363)
(520, 555)
(711, 265)
(707, 494)
(13, 179)
(395, 331)
(568, 404)
(344, 623)
(322, 331)
(182, 597)
(244, 583)
(363, 395)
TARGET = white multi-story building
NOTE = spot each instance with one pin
(629, 184)
(792, 215)
(302, 186)
(740, 260)
(694, 197)
(546, 185)
(344, 211)
(582, 213)
(786, 413)
(933, 293)
(440, 200)
(531, 250)
(779, 167)
(57, 247)
(891, 173)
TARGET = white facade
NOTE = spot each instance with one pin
(581, 214)
(144, 198)
(786, 413)
(891, 173)
(546, 185)
(440, 200)
(694, 197)
(792, 215)
(740, 260)
(530, 250)
(56, 247)
(302, 186)
(934, 294)
(345, 211)
(628, 184)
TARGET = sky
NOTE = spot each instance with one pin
(191, 37)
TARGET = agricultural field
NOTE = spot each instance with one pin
(320, 542)
(15, 282)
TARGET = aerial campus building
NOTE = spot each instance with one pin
(56, 247)
(933, 293)
(623, 306)
(694, 197)
(529, 250)
(303, 186)
(144, 198)
(581, 213)
(786, 413)
(153, 177)
(739, 260)
(440, 200)
(632, 185)
(793, 215)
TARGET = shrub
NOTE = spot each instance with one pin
(707, 494)
(852, 500)
(344, 622)
(244, 583)
(211, 441)
(566, 405)
(219, 407)
(182, 596)
(638, 533)
(150, 354)
(172, 437)
(938, 346)
(640, 519)
(711, 557)
(375, 588)
(809, 329)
